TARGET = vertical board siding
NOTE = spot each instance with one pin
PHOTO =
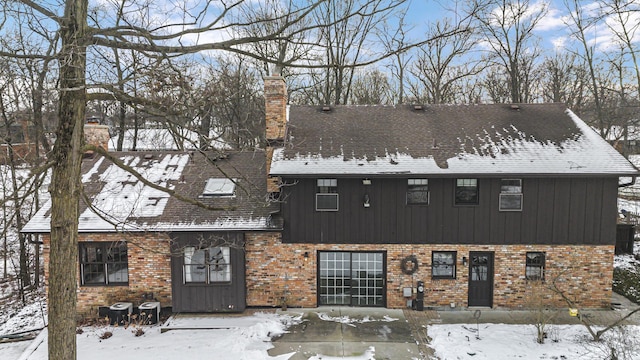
(555, 211)
(215, 297)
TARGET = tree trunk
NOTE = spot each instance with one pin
(65, 183)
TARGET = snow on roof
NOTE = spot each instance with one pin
(121, 202)
(507, 150)
(163, 139)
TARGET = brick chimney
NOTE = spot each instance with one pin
(96, 134)
(275, 97)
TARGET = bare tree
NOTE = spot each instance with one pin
(345, 43)
(371, 88)
(564, 80)
(496, 85)
(165, 40)
(622, 16)
(507, 27)
(230, 102)
(394, 36)
(442, 63)
(581, 23)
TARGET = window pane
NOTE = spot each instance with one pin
(219, 264)
(327, 202)
(93, 274)
(443, 264)
(417, 191)
(118, 273)
(466, 191)
(195, 269)
(534, 269)
(510, 201)
(511, 185)
(92, 253)
(117, 253)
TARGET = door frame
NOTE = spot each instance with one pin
(351, 287)
(208, 297)
(490, 278)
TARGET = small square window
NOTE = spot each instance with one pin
(443, 264)
(466, 192)
(510, 195)
(418, 191)
(534, 269)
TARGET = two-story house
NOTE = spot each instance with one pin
(475, 201)
(354, 205)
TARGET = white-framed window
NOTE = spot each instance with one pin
(327, 195)
(418, 191)
(510, 195)
(219, 187)
(207, 265)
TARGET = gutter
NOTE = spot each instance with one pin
(632, 182)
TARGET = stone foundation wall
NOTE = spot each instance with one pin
(584, 273)
(149, 273)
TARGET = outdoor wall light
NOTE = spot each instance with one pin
(366, 181)
(464, 260)
(366, 201)
(306, 256)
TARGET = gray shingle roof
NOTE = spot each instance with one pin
(534, 139)
(125, 203)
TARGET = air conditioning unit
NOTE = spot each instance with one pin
(120, 313)
(149, 312)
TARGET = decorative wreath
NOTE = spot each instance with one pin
(409, 265)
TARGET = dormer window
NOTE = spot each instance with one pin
(220, 187)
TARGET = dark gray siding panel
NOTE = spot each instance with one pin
(530, 208)
(609, 211)
(227, 297)
(555, 211)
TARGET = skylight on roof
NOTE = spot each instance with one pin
(220, 187)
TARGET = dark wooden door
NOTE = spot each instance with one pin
(481, 278)
(207, 277)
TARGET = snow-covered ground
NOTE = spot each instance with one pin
(500, 341)
(250, 338)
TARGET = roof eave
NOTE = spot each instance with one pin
(454, 175)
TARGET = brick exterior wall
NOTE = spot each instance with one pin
(149, 273)
(275, 102)
(97, 135)
(275, 97)
(275, 270)
(273, 182)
